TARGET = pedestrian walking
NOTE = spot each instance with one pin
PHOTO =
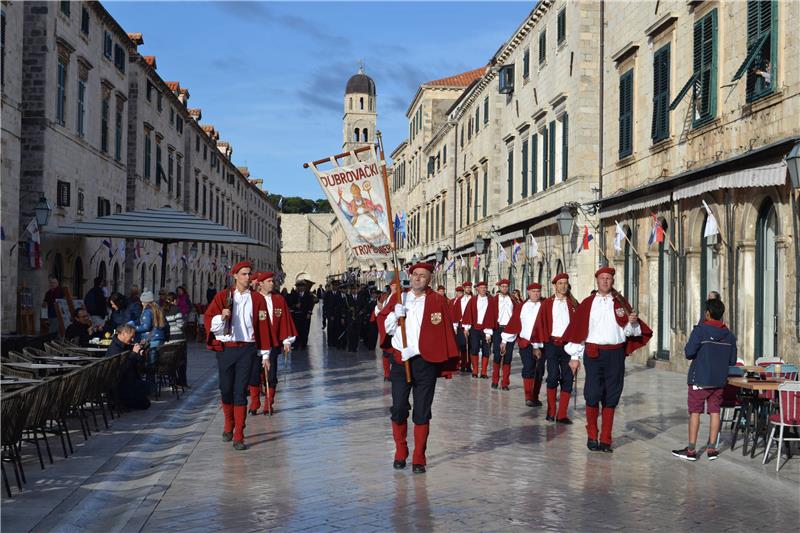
(463, 296)
(506, 328)
(479, 319)
(530, 352)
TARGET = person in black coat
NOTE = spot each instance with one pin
(132, 390)
(95, 300)
(301, 305)
(334, 308)
(210, 292)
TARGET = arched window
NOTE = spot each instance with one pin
(371, 104)
(58, 268)
(101, 271)
(366, 135)
(664, 295)
(709, 266)
(154, 278)
(767, 283)
(142, 284)
(77, 278)
(115, 278)
(357, 135)
(361, 102)
(539, 272)
(559, 267)
(351, 102)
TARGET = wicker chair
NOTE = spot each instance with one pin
(13, 415)
(167, 367)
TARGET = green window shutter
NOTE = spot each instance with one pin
(564, 147)
(660, 125)
(534, 161)
(551, 172)
(545, 154)
(626, 114)
(705, 67)
(760, 29)
(542, 46)
(485, 192)
(475, 203)
(510, 198)
(477, 117)
(524, 173)
(562, 25)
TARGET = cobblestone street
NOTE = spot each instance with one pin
(323, 462)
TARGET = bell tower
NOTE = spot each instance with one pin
(360, 111)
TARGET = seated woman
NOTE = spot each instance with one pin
(118, 314)
(132, 390)
(81, 329)
(153, 329)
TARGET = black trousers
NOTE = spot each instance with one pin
(477, 343)
(258, 364)
(461, 339)
(496, 340)
(532, 368)
(234, 365)
(334, 330)
(558, 370)
(423, 384)
(353, 330)
(302, 324)
(605, 377)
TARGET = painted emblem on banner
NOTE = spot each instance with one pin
(262, 315)
(620, 312)
(436, 318)
(277, 312)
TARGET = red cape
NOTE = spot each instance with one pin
(514, 325)
(281, 321)
(543, 326)
(470, 317)
(261, 326)
(578, 328)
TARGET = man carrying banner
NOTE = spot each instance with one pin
(529, 351)
(237, 320)
(479, 320)
(554, 316)
(506, 329)
(431, 352)
(605, 329)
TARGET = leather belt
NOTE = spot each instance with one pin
(558, 341)
(237, 344)
(593, 350)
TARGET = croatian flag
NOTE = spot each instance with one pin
(107, 243)
(184, 260)
(477, 262)
(657, 233)
(137, 250)
(34, 244)
(584, 244)
(451, 264)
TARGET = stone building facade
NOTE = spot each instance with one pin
(703, 105)
(100, 133)
(306, 247)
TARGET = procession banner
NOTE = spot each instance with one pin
(358, 198)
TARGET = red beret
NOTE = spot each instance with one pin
(467, 284)
(440, 288)
(480, 284)
(563, 275)
(605, 270)
(240, 265)
(534, 286)
(264, 276)
(426, 266)
(459, 289)
(503, 282)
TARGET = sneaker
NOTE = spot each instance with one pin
(686, 453)
(712, 453)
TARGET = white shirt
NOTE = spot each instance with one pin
(527, 317)
(463, 303)
(482, 304)
(415, 309)
(603, 327)
(241, 321)
(560, 317)
(505, 308)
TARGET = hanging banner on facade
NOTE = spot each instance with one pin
(357, 195)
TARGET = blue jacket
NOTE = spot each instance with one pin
(712, 350)
(133, 310)
(147, 331)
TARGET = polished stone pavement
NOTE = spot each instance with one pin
(323, 463)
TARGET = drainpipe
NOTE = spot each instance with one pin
(795, 224)
(732, 260)
(600, 112)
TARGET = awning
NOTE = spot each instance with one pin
(763, 176)
(641, 203)
(505, 237)
(164, 225)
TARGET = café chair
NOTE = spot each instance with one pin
(787, 417)
(766, 361)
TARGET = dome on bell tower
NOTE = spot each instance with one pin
(360, 83)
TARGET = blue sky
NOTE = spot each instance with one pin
(270, 76)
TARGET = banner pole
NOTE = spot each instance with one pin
(389, 214)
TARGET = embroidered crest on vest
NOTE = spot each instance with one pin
(436, 318)
(277, 312)
(262, 315)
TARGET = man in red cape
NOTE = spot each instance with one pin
(479, 319)
(239, 330)
(506, 328)
(385, 341)
(530, 351)
(604, 331)
(463, 296)
(429, 347)
(282, 335)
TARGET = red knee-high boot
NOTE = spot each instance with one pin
(399, 432)
(563, 405)
(474, 360)
(227, 410)
(608, 425)
(551, 402)
(255, 397)
(272, 393)
(386, 367)
(591, 421)
(484, 367)
(506, 376)
(527, 387)
(537, 386)
(495, 374)
(239, 416)
(420, 443)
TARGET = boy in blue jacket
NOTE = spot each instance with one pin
(712, 350)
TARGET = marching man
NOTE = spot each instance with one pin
(479, 320)
(430, 349)
(531, 352)
(282, 333)
(603, 331)
(385, 341)
(554, 317)
(505, 334)
(239, 329)
(463, 295)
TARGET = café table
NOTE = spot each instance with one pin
(66, 358)
(755, 409)
(43, 368)
(11, 382)
(753, 369)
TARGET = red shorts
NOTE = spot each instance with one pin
(709, 398)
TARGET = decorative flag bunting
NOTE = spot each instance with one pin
(619, 236)
(451, 264)
(516, 250)
(477, 262)
(584, 243)
(501, 254)
(34, 244)
(534, 247)
(711, 222)
(657, 233)
(108, 244)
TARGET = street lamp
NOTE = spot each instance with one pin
(793, 164)
(224, 256)
(564, 222)
(480, 245)
(439, 255)
(414, 259)
(42, 210)
(193, 251)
